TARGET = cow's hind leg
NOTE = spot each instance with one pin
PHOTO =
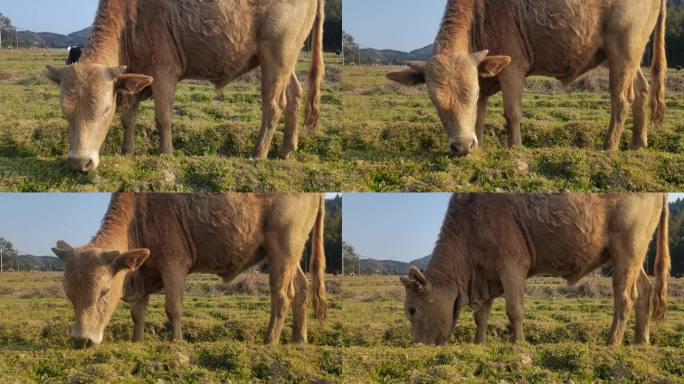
(294, 101)
(641, 334)
(284, 253)
(626, 269)
(138, 313)
(301, 287)
(128, 119)
(623, 62)
(481, 320)
(276, 68)
(639, 110)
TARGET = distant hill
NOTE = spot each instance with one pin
(43, 263)
(391, 267)
(53, 40)
(389, 56)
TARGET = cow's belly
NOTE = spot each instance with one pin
(571, 258)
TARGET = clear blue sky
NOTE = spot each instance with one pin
(59, 16)
(400, 227)
(34, 222)
(403, 25)
(393, 226)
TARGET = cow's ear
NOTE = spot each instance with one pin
(406, 281)
(54, 74)
(418, 279)
(63, 250)
(130, 260)
(490, 66)
(131, 84)
(414, 75)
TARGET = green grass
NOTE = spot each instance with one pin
(223, 334)
(396, 128)
(374, 136)
(565, 333)
(366, 339)
(213, 137)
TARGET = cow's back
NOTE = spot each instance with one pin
(562, 38)
(207, 40)
(217, 233)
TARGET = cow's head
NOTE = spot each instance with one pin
(453, 85)
(93, 282)
(88, 94)
(432, 311)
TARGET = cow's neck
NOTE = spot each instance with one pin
(449, 267)
(115, 232)
(104, 42)
(457, 28)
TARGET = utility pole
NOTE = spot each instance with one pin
(1, 259)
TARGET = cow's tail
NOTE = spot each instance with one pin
(317, 70)
(659, 68)
(662, 265)
(317, 265)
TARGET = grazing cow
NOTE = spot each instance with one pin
(74, 55)
(140, 49)
(152, 241)
(490, 243)
(487, 46)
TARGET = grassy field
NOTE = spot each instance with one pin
(374, 136)
(213, 137)
(565, 331)
(223, 330)
(396, 128)
(366, 339)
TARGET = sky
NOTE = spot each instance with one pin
(401, 227)
(34, 222)
(402, 25)
(393, 226)
(58, 16)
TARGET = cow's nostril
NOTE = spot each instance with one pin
(89, 165)
(473, 145)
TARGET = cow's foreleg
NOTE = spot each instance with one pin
(274, 81)
(138, 313)
(482, 104)
(481, 320)
(164, 91)
(639, 110)
(301, 286)
(174, 285)
(641, 334)
(129, 119)
(294, 101)
(513, 282)
(512, 88)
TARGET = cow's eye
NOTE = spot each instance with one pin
(106, 111)
(104, 292)
(412, 311)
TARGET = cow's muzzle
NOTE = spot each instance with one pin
(463, 147)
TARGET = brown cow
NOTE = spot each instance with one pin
(152, 241)
(142, 48)
(559, 38)
(490, 243)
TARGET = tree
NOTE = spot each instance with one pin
(9, 254)
(351, 258)
(5, 28)
(332, 238)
